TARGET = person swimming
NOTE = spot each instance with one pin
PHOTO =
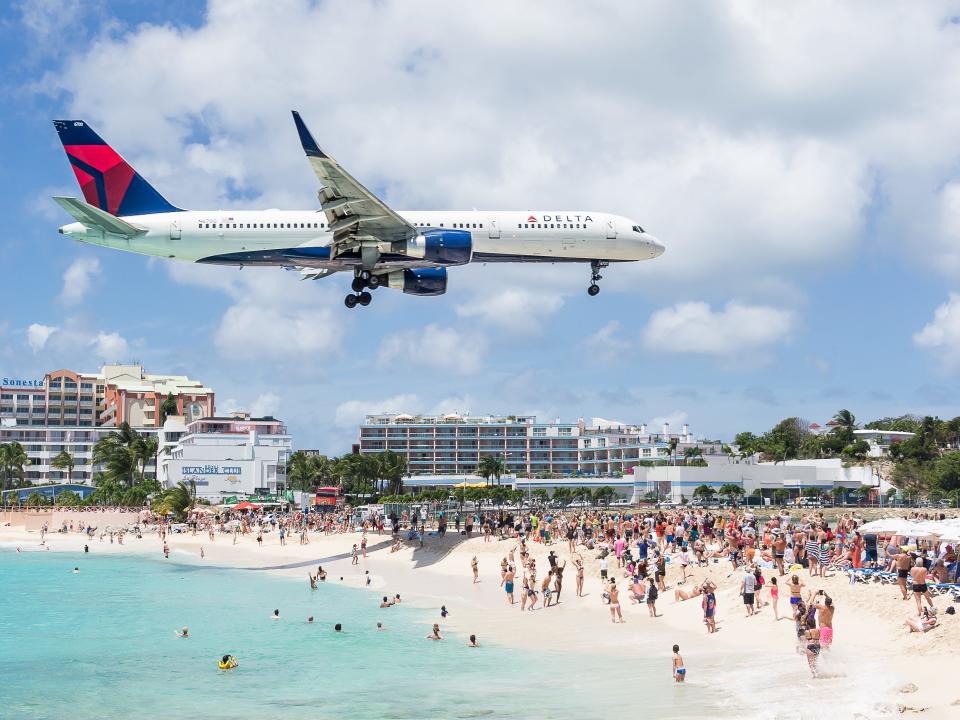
(473, 642)
(276, 615)
(182, 632)
(227, 662)
(435, 633)
(679, 671)
(338, 628)
(310, 618)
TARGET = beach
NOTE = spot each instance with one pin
(875, 669)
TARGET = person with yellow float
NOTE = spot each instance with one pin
(227, 662)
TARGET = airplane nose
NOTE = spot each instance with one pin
(656, 247)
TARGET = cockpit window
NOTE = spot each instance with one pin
(637, 228)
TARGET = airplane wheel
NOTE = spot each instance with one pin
(364, 298)
(365, 275)
(374, 282)
(357, 284)
(593, 290)
(350, 301)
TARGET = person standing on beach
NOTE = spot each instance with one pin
(474, 566)
(615, 614)
(558, 579)
(679, 671)
(903, 562)
(918, 576)
(507, 583)
(578, 564)
(747, 588)
(779, 548)
(354, 557)
(652, 598)
(775, 597)
(710, 609)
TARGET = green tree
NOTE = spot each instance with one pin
(64, 461)
(857, 450)
(13, 460)
(846, 423)
(731, 491)
(540, 495)
(810, 492)
(747, 443)
(119, 453)
(68, 498)
(491, 466)
(703, 492)
(947, 472)
(783, 441)
(839, 495)
(301, 473)
(603, 495)
(780, 496)
(392, 468)
(167, 408)
(177, 500)
(561, 495)
(862, 493)
(35, 499)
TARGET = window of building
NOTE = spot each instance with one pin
(23, 397)
(6, 396)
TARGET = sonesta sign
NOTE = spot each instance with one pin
(19, 382)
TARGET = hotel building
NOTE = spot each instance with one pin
(454, 444)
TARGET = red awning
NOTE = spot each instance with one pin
(246, 505)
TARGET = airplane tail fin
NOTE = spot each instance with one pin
(108, 182)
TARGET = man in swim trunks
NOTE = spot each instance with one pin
(903, 562)
(779, 547)
(508, 577)
(679, 671)
(918, 576)
(825, 610)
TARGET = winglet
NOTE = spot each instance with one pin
(310, 146)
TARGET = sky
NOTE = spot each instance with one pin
(799, 161)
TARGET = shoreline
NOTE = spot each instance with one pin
(873, 651)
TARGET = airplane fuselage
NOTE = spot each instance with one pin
(303, 239)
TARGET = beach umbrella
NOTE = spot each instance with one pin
(887, 526)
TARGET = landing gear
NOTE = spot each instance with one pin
(595, 276)
(362, 280)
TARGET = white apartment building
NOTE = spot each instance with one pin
(224, 456)
(453, 444)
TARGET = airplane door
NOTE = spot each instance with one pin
(611, 230)
(175, 231)
(494, 230)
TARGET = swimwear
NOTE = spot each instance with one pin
(748, 598)
(508, 587)
(903, 573)
(794, 600)
(681, 671)
(922, 588)
(826, 635)
(814, 648)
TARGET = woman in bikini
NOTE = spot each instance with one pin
(615, 614)
(775, 597)
(578, 563)
(795, 589)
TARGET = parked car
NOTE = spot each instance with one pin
(622, 502)
(579, 504)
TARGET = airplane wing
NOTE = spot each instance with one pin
(358, 218)
(94, 217)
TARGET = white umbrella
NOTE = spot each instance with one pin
(887, 526)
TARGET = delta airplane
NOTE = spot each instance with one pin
(353, 231)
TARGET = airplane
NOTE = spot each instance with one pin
(353, 231)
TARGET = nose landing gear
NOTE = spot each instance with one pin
(595, 276)
(362, 279)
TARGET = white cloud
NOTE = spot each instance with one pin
(267, 403)
(607, 343)
(434, 347)
(37, 336)
(676, 419)
(77, 279)
(110, 347)
(351, 413)
(737, 329)
(941, 335)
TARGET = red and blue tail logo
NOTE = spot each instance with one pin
(107, 180)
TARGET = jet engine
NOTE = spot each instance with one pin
(419, 281)
(441, 246)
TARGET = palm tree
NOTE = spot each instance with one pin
(301, 473)
(704, 492)
(673, 449)
(168, 407)
(178, 500)
(731, 491)
(119, 452)
(780, 495)
(145, 449)
(839, 494)
(845, 421)
(13, 459)
(64, 461)
(490, 466)
(392, 468)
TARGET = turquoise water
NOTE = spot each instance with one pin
(101, 644)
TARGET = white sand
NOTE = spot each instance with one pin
(753, 658)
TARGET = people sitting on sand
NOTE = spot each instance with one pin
(922, 623)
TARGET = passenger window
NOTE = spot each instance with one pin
(481, 226)
(519, 226)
